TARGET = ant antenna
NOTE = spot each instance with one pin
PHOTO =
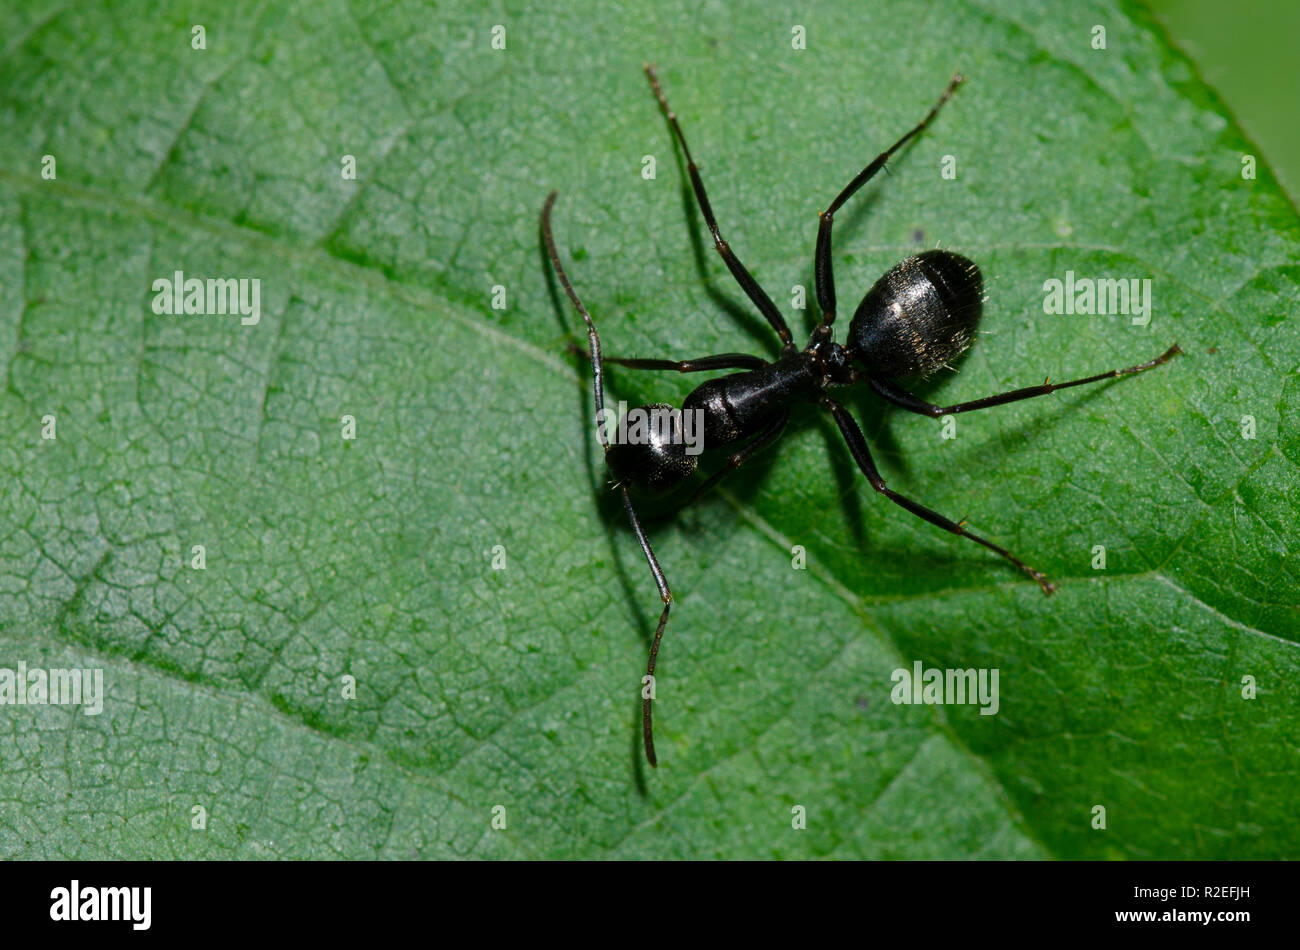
(598, 371)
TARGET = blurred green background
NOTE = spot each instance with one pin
(1247, 52)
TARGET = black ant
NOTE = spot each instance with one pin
(916, 318)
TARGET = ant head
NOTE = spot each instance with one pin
(650, 450)
(918, 316)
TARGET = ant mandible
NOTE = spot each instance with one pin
(916, 318)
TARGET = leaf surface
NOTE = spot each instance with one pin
(372, 557)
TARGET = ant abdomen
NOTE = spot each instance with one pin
(651, 450)
(918, 316)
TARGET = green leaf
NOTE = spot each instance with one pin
(373, 557)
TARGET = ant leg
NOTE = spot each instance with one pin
(660, 581)
(905, 400)
(822, 269)
(700, 365)
(666, 595)
(747, 283)
(862, 455)
(593, 339)
(769, 434)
